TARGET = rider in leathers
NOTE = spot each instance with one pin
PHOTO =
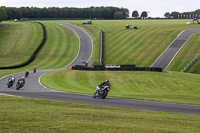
(11, 79)
(106, 83)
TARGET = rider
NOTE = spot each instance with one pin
(21, 81)
(11, 79)
(106, 83)
(34, 69)
(27, 72)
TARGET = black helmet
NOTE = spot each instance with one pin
(107, 80)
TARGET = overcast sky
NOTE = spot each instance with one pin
(156, 8)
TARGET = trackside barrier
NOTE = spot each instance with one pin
(102, 48)
(116, 68)
(33, 55)
(191, 62)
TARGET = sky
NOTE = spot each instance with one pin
(156, 8)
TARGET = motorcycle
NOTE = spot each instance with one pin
(26, 74)
(101, 91)
(20, 84)
(10, 83)
(34, 69)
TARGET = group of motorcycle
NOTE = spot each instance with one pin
(20, 82)
(101, 89)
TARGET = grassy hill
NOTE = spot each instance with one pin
(142, 46)
(153, 86)
(32, 115)
(59, 50)
(18, 42)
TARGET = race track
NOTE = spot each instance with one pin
(33, 89)
(168, 55)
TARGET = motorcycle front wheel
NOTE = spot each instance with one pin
(9, 85)
(17, 87)
(105, 93)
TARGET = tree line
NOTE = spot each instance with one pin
(176, 15)
(66, 12)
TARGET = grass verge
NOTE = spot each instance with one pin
(171, 87)
(33, 115)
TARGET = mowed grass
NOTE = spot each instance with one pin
(142, 46)
(18, 42)
(60, 49)
(187, 54)
(171, 87)
(195, 68)
(33, 115)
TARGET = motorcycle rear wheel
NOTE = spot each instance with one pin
(17, 87)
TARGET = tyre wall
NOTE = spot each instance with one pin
(116, 68)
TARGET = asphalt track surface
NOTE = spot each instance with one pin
(33, 88)
(168, 55)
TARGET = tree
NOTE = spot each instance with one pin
(125, 11)
(119, 15)
(135, 14)
(144, 14)
(167, 15)
(3, 14)
(174, 14)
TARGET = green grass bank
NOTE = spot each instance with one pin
(18, 42)
(45, 116)
(142, 46)
(171, 87)
(60, 49)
